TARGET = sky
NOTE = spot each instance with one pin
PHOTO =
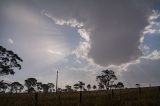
(80, 38)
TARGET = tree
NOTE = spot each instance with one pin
(39, 86)
(106, 77)
(3, 86)
(31, 90)
(15, 87)
(8, 62)
(113, 86)
(80, 85)
(76, 86)
(89, 87)
(120, 85)
(101, 86)
(45, 88)
(30, 83)
(84, 89)
(138, 85)
(94, 87)
(51, 87)
(59, 89)
(68, 88)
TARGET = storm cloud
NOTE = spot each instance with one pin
(115, 27)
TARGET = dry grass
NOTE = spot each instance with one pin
(125, 97)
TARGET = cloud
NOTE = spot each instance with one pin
(10, 41)
(111, 28)
(84, 46)
(55, 52)
(147, 71)
(148, 64)
(150, 32)
(38, 41)
(116, 38)
(155, 55)
(111, 35)
(82, 50)
(153, 26)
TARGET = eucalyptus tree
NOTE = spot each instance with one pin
(51, 87)
(68, 88)
(30, 83)
(120, 85)
(89, 87)
(80, 85)
(100, 86)
(76, 86)
(9, 61)
(106, 77)
(138, 85)
(45, 88)
(15, 87)
(39, 86)
(3, 86)
(94, 87)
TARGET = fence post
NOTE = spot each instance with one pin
(139, 90)
(159, 90)
(60, 100)
(36, 99)
(112, 93)
(80, 97)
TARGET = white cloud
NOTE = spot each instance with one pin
(71, 22)
(155, 55)
(10, 41)
(145, 49)
(82, 50)
(153, 27)
(123, 67)
(78, 61)
(84, 46)
(84, 34)
(55, 52)
(154, 16)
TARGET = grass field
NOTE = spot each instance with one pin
(126, 97)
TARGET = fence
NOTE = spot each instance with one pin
(91, 98)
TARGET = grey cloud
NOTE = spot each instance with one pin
(146, 72)
(115, 26)
(115, 39)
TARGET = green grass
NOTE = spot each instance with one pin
(126, 97)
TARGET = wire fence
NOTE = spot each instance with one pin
(118, 97)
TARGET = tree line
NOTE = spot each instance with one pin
(9, 61)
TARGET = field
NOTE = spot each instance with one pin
(126, 97)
